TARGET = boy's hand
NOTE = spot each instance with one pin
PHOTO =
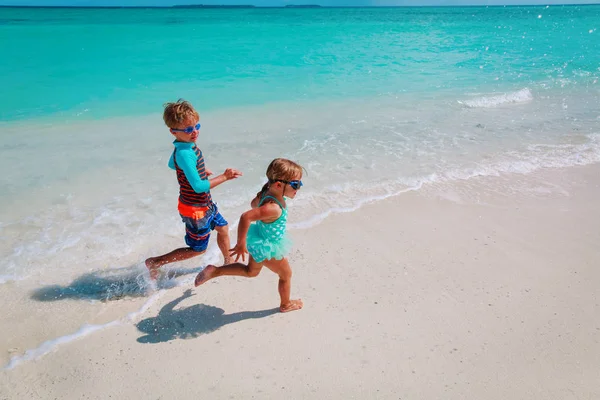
(231, 173)
(238, 251)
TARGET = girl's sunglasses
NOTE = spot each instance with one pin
(189, 130)
(294, 184)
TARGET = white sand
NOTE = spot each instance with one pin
(487, 289)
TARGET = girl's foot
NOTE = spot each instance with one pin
(206, 274)
(293, 305)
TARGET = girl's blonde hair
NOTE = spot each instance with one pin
(283, 169)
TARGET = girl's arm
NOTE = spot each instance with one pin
(256, 200)
(266, 212)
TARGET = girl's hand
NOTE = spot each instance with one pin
(208, 172)
(239, 251)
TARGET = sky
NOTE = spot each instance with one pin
(284, 2)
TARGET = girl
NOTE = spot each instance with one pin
(265, 240)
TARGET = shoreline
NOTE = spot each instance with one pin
(449, 291)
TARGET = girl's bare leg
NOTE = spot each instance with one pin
(283, 269)
(236, 269)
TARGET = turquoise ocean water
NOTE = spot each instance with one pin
(372, 101)
(60, 63)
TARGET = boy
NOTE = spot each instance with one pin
(196, 207)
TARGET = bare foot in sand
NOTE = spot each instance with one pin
(153, 267)
(293, 305)
(206, 274)
(227, 261)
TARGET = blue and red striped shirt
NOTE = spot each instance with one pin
(194, 187)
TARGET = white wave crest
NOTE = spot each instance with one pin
(535, 158)
(87, 329)
(9, 278)
(522, 96)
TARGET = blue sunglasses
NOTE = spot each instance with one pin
(189, 129)
(294, 184)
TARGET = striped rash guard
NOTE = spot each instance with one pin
(194, 187)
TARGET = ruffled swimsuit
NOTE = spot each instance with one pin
(266, 241)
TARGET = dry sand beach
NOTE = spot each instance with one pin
(480, 289)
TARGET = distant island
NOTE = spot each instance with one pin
(213, 6)
(300, 6)
(242, 6)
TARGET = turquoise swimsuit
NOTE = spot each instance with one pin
(267, 241)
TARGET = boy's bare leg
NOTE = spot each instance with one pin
(236, 269)
(154, 263)
(283, 269)
(224, 243)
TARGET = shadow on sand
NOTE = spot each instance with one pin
(111, 284)
(190, 322)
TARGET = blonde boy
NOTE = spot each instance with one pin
(196, 207)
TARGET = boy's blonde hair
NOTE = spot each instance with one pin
(283, 169)
(176, 113)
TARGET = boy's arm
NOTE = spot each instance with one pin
(172, 162)
(186, 159)
(188, 165)
(229, 173)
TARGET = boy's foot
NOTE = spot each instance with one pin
(153, 267)
(293, 305)
(206, 274)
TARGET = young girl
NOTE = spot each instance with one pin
(265, 240)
